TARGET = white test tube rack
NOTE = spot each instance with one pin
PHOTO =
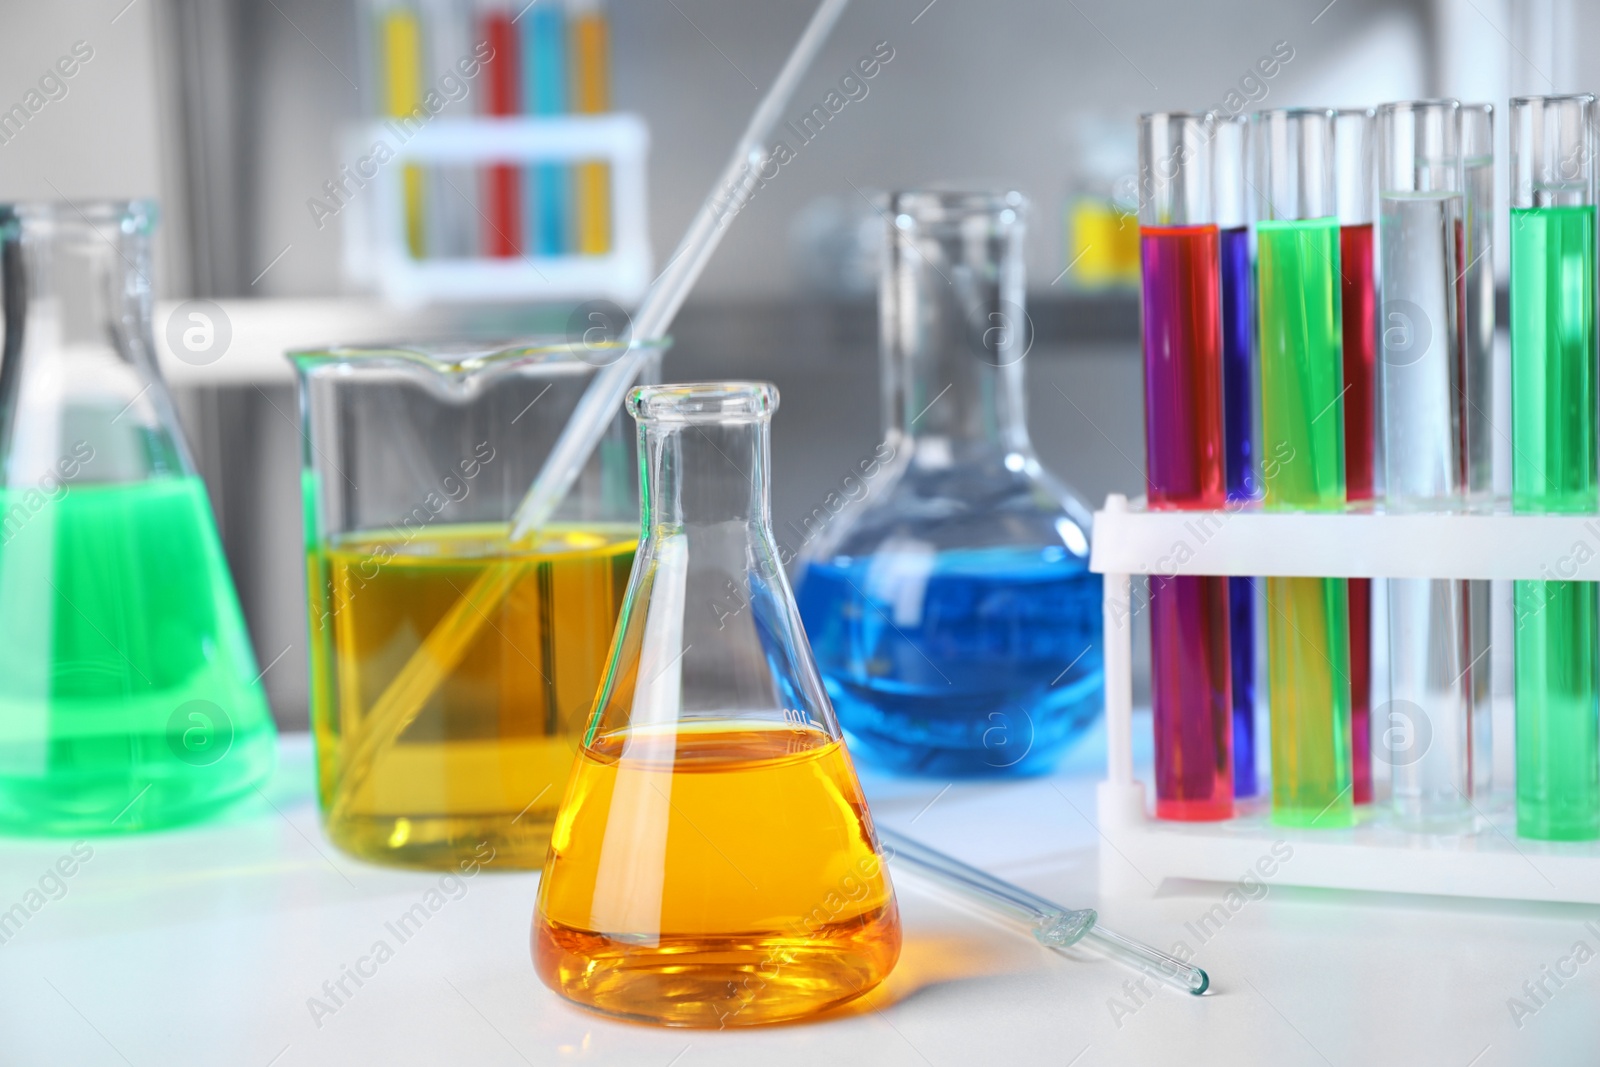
(1138, 850)
(376, 252)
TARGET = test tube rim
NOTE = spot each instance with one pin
(1552, 98)
(1396, 107)
(1268, 113)
(1204, 116)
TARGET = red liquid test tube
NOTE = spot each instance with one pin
(1354, 175)
(502, 233)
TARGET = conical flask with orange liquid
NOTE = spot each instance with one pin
(713, 863)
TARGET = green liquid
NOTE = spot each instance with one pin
(1558, 732)
(1554, 470)
(128, 697)
(1302, 468)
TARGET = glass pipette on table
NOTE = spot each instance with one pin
(1051, 924)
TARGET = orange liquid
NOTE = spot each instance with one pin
(714, 874)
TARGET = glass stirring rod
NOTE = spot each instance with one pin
(1051, 925)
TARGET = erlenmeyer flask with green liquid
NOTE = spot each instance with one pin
(713, 863)
(129, 696)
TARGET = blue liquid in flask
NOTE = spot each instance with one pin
(966, 662)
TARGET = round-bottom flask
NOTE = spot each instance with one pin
(954, 617)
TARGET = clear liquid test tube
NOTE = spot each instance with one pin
(1427, 733)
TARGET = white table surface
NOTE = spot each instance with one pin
(203, 946)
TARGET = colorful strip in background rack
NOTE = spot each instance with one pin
(545, 59)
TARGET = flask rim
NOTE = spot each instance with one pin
(728, 402)
(133, 215)
(936, 205)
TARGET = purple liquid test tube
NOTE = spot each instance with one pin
(1238, 430)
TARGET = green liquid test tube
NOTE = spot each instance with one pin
(1553, 365)
(1302, 461)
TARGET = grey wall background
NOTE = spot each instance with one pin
(229, 111)
(984, 91)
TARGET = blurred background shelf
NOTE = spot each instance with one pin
(232, 113)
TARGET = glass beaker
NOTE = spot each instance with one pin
(714, 863)
(451, 670)
(129, 694)
(955, 619)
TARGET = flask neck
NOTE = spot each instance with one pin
(709, 630)
(79, 369)
(954, 329)
(77, 272)
(705, 473)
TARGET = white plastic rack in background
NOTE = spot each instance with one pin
(1375, 854)
(376, 249)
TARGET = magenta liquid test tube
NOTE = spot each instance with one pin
(1191, 689)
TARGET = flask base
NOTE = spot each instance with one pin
(715, 982)
(85, 792)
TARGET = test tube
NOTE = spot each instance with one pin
(453, 203)
(1553, 458)
(1477, 185)
(591, 93)
(1230, 168)
(1477, 341)
(1302, 457)
(400, 51)
(1190, 667)
(547, 187)
(1354, 168)
(1421, 233)
(502, 193)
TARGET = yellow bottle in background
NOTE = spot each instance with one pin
(1102, 244)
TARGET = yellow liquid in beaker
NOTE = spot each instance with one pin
(714, 874)
(487, 757)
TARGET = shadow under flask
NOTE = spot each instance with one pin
(954, 616)
(713, 863)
